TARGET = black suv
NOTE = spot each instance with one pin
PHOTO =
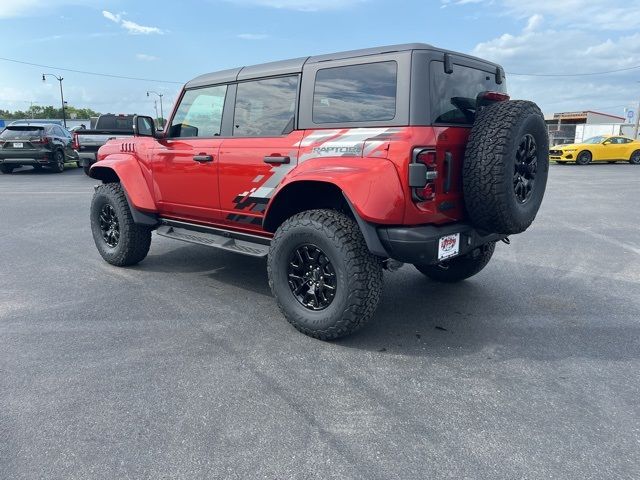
(36, 145)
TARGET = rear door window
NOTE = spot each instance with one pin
(199, 113)
(265, 108)
(356, 93)
(115, 122)
(453, 95)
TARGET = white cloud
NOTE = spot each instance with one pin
(111, 16)
(594, 14)
(252, 36)
(566, 51)
(302, 5)
(145, 57)
(131, 27)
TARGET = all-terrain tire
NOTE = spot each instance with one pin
(635, 158)
(58, 161)
(459, 268)
(584, 158)
(6, 168)
(358, 273)
(134, 240)
(495, 158)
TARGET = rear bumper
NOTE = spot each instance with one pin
(419, 244)
(26, 157)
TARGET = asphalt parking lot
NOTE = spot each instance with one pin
(182, 367)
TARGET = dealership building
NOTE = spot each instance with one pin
(570, 127)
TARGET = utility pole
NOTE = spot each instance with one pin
(635, 129)
(31, 108)
(160, 95)
(64, 114)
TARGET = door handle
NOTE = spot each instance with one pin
(276, 159)
(203, 158)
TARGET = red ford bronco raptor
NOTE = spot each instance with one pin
(334, 167)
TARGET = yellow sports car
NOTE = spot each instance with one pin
(604, 148)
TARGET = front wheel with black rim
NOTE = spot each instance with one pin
(635, 158)
(584, 158)
(325, 281)
(58, 161)
(6, 168)
(119, 239)
(459, 268)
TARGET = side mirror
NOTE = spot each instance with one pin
(143, 126)
(607, 142)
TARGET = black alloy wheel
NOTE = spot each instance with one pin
(311, 277)
(583, 158)
(109, 226)
(525, 168)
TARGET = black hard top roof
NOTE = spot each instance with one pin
(295, 65)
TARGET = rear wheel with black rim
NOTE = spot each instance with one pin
(6, 168)
(584, 158)
(459, 268)
(58, 161)
(325, 280)
(635, 158)
(119, 240)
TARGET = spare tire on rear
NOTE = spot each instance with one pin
(506, 166)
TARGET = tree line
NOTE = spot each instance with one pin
(38, 111)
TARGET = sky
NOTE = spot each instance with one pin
(165, 44)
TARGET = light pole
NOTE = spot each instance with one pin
(31, 108)
(160, 95)
(64, 115)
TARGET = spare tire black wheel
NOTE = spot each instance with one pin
(506, 166)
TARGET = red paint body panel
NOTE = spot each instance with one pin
(371, 184)
(184, 188)
(134, 175)
(369, 165)
(244, 174)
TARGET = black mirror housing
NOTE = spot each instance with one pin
(143, 126)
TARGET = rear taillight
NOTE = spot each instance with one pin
(75, 144)
(423, 174)
(42, 140)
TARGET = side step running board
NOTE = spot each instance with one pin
(251, 245)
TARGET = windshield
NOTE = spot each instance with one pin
(21, 133)
(593, 140)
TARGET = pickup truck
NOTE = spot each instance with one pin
(108, 126)
(335, 168)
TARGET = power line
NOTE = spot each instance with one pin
(573, 74)
(90, 73)
(180, 83)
